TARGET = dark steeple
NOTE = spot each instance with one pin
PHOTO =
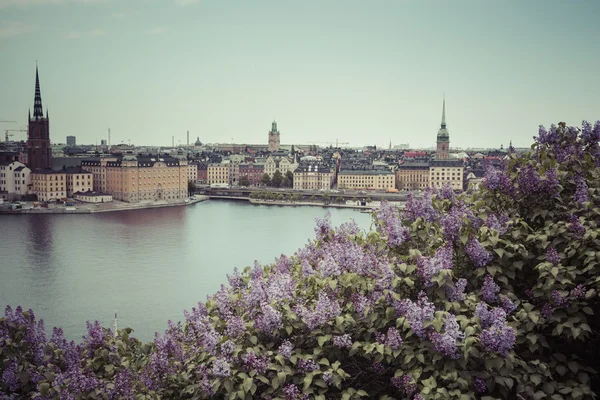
(38, 111)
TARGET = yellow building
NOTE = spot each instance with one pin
(79, 180)
(313, 177)
(446, 172)
(49, 185)
(133, 179)
(373, 179)
(412, 176)
(218, 173)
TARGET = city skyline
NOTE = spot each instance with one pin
(359, 73)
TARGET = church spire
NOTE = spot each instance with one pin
(444, 112)
(38, 111)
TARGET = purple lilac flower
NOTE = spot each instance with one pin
(578, 292)
(307, 365)
(421, 207)
(489, 291)
(489, 317)
(269, 321)
(325, 309)
(552, 256)
(418, 397)
(479, 385)
(328, 378)
(394, 340)
(477, 253)
(323, 227)
(559, 299)
(507, 305)
(547, 137)
(445, 343)
(228, 348)
(235, 327)
(292, 392)
(496, 180)
(378, 367)
(95, 335)
(576, 227)
(447, 192)
(254, 362)
(590, 135)
(221, 368)
(329, 267)
(286, 349)
(581, 192)
(10, 377)
(456, 292)
(396, 233)
(235, 280)
(123, 385)
(417, 313)
(547, 310)
(428, 267)
(499, 338)
(380, 337)
(280, 287)
(405, 384)
(344, 341)
(451, 223)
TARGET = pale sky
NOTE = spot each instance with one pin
(364, 72)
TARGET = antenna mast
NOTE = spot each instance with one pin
(115, 323)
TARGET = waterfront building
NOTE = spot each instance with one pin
(283, 164)
(202, 173)
(192, 171)
(93, 197)
(15, 180)
(253, 172)
(79, 180)
(444, 171)
(218, 173)
(313, 177)
(274, 137)
(39, 155)
(412, 176)
(366, 178)
(137, 178)
(49, 185)
(71, 141)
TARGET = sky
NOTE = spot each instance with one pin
(362, 72)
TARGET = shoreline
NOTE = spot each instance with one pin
(310, 204)
(91, 208)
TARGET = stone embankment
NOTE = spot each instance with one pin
(91, 208)
(370, 207)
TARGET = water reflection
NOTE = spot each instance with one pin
(156, 217)
(39, 244)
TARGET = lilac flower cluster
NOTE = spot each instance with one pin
(477, 253)
(507, 305)
(393, 339)
(221, 368)
(581, 191)
(547, 137)
(254, 362)
(497, 180)
(497, 223)
(323, 227)
(228, 349)
(329, 267)
(292, 392)
(421, 207)
(489, 291)
(456, 292)
(559, 299)
(547, 310)
(235, 280)
(286, 349)
(396, 233)
(269, 321)
(496, 336)
(378, 367)
(417, 313)
(552, 256)
(325, 309)
(447, 192)
(590, 135)
(578, 292)
(307, 365)
(343, 341)
(280, 287)
(429, 267)
(405, 384)
(451, 223)
(576, 227)
(479, 385)
(445, 343)
(235, 326)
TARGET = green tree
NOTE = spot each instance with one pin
(244, 181)
(290, 177)
(266, 180)
(191, 188)
(280, 197)
(326, 198)
(277, 179)
(340, 199)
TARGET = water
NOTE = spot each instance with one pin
(150, 265)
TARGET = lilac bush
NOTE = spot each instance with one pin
(490, 294)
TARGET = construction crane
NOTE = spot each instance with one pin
(7, 135)
(11, 122)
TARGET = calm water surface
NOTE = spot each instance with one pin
(150, 265)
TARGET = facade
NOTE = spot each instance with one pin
(93, 197)
(274, 137)
(313, 177)
(79, 180)
(412, 176)
(193, 172)
(218, 173)
(71, 141)
(253, 172)
(202, 171)
(371, 179)
(39, 154)
(15, 180)
(132, 179)
(283, 164)
(49, 185)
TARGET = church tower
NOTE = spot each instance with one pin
(39, 153)
(274, 137)
(443, 137)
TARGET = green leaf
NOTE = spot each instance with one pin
(44, 388)
(247, 384)
(322, 339)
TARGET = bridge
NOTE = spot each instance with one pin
(238, 193)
